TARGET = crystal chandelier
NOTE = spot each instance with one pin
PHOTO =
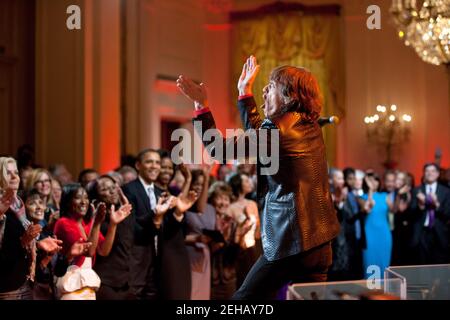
(425, 25)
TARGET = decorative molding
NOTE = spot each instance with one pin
(284, 7)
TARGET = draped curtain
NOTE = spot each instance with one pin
(312, 41)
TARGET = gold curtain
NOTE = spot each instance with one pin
(311, 41)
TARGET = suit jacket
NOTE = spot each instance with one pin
(297, 209)
(169, 266)
(442, 216)
(144, 229)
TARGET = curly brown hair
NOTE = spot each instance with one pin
(302, 88)
(219, 188)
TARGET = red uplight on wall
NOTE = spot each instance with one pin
(217, 27)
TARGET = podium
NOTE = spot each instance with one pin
(347, 290)
(427, 282)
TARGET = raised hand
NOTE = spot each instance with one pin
(406, 188)
(6, 200)
(99, 213)
(206, 170)
(249, 72)
(121, 214)
(123, 198)
(370, 181)
(195, 92)
(50, 245)
(30, 234)
(184, 203)
(185, 172)
(340, 194)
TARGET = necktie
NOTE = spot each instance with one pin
(429, 207)
(151, 195)
(355, 210)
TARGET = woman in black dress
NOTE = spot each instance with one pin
(174, 271)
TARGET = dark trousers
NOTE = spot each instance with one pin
(430, 249)
(142, 273)
(110, 293)
(267, 277)
(245, 260)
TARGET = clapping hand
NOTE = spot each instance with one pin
(340, 194)
(195, 92)
(405, 189)
(30, 234)
(184, 203)
(421, 198)
(435, 201)
(402, 206)
(121, 214)
(54, 216)
(79, 248)
(50, 245)
(165, 202)
(99, 213)
(249, 72)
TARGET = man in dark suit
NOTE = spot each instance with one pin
(298, 217)
(430, 206)
(145, 197)
(158, 233)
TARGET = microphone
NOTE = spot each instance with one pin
(323, 121)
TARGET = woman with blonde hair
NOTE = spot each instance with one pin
(18, 244)
(41, 180)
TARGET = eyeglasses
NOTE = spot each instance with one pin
(43, 181)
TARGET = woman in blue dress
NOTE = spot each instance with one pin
(377, 254)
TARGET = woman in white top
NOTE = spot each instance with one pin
(245, 211)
